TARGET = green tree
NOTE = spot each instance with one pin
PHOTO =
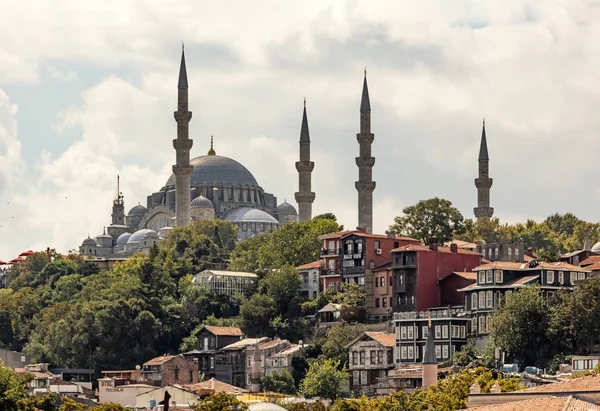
(519, 326)
(282, 382)
(465, 356)
(430, 218)
(109, 406)
(68, 404)
(37, 403)
(337, 338)
(324, 379)
(283, 286)
(256, 315)
(326, 216)
(220, 402)
(12, 389)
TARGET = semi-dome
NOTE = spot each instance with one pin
(138, 210)
(139, 235)
(286, 208)
(201, 202)
(596, 247)
(151, 234)
(123, 238)
(163, 233)
(249, 214)
(89, 241)
(217, 169)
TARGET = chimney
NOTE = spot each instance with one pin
(454, 248)
(433, 244)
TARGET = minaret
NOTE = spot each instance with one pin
(256, 373)
(365, 184)
(182, 144)
(304, 196)
(118, 209)
(483, 182)
(430, 363)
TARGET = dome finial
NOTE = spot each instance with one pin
(365, 72)
(211, 152)
(104, 231)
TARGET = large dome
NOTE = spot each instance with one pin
(596, 248)
(217, 169)
(248, 215)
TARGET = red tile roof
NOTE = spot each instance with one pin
(593, 267)
(338, 234)
(314, 264)
(509, 265)
(421, 247)
(382, 236)
(592, 259)
(215, 386)
(467, 275)
(387, 339)
(589, 383)
(160, 360)
(225, 331)
(543, 404)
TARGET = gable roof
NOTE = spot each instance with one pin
(386, 339)
(246, 342)
(160, 360)
(440, 249)
(543, 404)
(592, 259)
(224, 331)
(216, 386)
(314, 264)
(467, 275)
(516, 266)
(581, 384)
(514, 283)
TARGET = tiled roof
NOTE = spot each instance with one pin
(383, 267)
(593, 267)
(387, 339)
(214, 385)
(314, 264)
(592, 259)
(246, 342)
(286, 351)
(225, 331)
(510, 265)
(160, 360)
(543, 404)
(440, 249)
(467, 275)
(589, 383)
(515, 282)
(461, 244)
(382, 236)
(338, 234)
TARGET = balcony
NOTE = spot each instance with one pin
(353, 270)
(433, 314)
(327, 251)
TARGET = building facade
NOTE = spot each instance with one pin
(231, 283)
(170, 369)
(230, 364)
(310, 274)
(450, 326)
(210, 340)
(370, 357)
(262, 350)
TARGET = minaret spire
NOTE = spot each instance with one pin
(483, 182)
(365, 162)
(118, 209)
(182, 144)
(304, 196)
(429, 376)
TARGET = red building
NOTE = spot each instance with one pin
(450, 284)
(418, 270)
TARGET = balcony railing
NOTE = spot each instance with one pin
(328, 251)
(424, 315)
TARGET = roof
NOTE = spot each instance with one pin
(250, 214)
(582, 384)
(265, 406)
(285, 208)
(268, 344)
(593, 267)
(483, 149)
(365, 104)
(215, 385)
(330, 308)
(304, 134)
(246, 342)
(229, 273)
(380, 236)
(224, 331)
(292, 349)
(516, 282)
(543, 404)
(314, 264)
(461, 244)
(592, 259)
(201, 202)
(160, 360)
(429, 356)
(440, 249)
(509, 265)
(387, 339)
(467, 275)
(337, 234)
(183, 83)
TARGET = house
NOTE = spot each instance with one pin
(331, 278)
(585, 389)
(210, 340)
(370, 357)
(333, 312)
(383, 292)
(582, 363)
(418, 269)
(450, 326)
(310, 275)
(170, 369)
(83, 377)
(13, 359)
(265, 349)
(511, 252)
(120, 391)
(40, 382)
(230, 361)
(130, 376)
(495, 280)
(282, 360)
(450, 284)
(231, 283)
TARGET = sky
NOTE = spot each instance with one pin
(88, 90)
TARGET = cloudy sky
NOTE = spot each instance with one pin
(88, 90)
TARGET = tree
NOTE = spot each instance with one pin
(282, 286)
(325, 378)
(256, 315)
(326, 216)
(37, 403)
(71, 405)
(220, 402)
(465, 356)
(430, 218)
(109, 406)
(279, 382)
(519, 326)
(337, 338)
(12, 389)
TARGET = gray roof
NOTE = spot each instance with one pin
(123, 238)
(140, 235)
(138, 210)
(217, 169)
(201, 202)
(365, 103)
(251, 215)
(89, 241)
(483, 151)
(429, 355)
(286, 208)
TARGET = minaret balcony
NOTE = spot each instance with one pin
(365, 161)
(365, 138)
(182, 170)
(305, 165)
(365, 185)
(304, 197)
(182, 116)
(183, 144)
(483, 182)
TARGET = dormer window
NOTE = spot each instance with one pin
(482, 277)
(499, 276)
(550, 277)
(489, 276)
(561, 277)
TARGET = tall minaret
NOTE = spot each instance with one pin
(118, 209)
(483, 182)
(304, 196)
(365, 184)
(182, 144)
(430, 367)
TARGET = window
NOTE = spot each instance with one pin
(384, 302)
(403, 333)
(377, 303)
(390, 282)
(380, 356)
(499, 276)
(212, 362)
(331, 263)
(445, 331)
(455, 331)
(361, 280)
(481, 277)
(473, 301)
(516, 253)
(362, 358)
(489, 276)
(549, 277)
(509, 253)
(412, 299)
(481, 299)
(425, 331)
(372, 356)
(349, 247)
(331, 245)
(354, 357)
(581, 276)
(463, 331)
(376, 282)
(496, 252)
(482, 324)
(489, 299)
(444, 351)
(438, 351)
(176, 371)
(249, 361)
(205, 343)
(438, 331)
(383, 281)
(245, 227)
(401, 279)
(403, 353)
(359, 247)
(410, 352)
(356, 378)
(561, 277)
(410, 332)
(377, 245)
